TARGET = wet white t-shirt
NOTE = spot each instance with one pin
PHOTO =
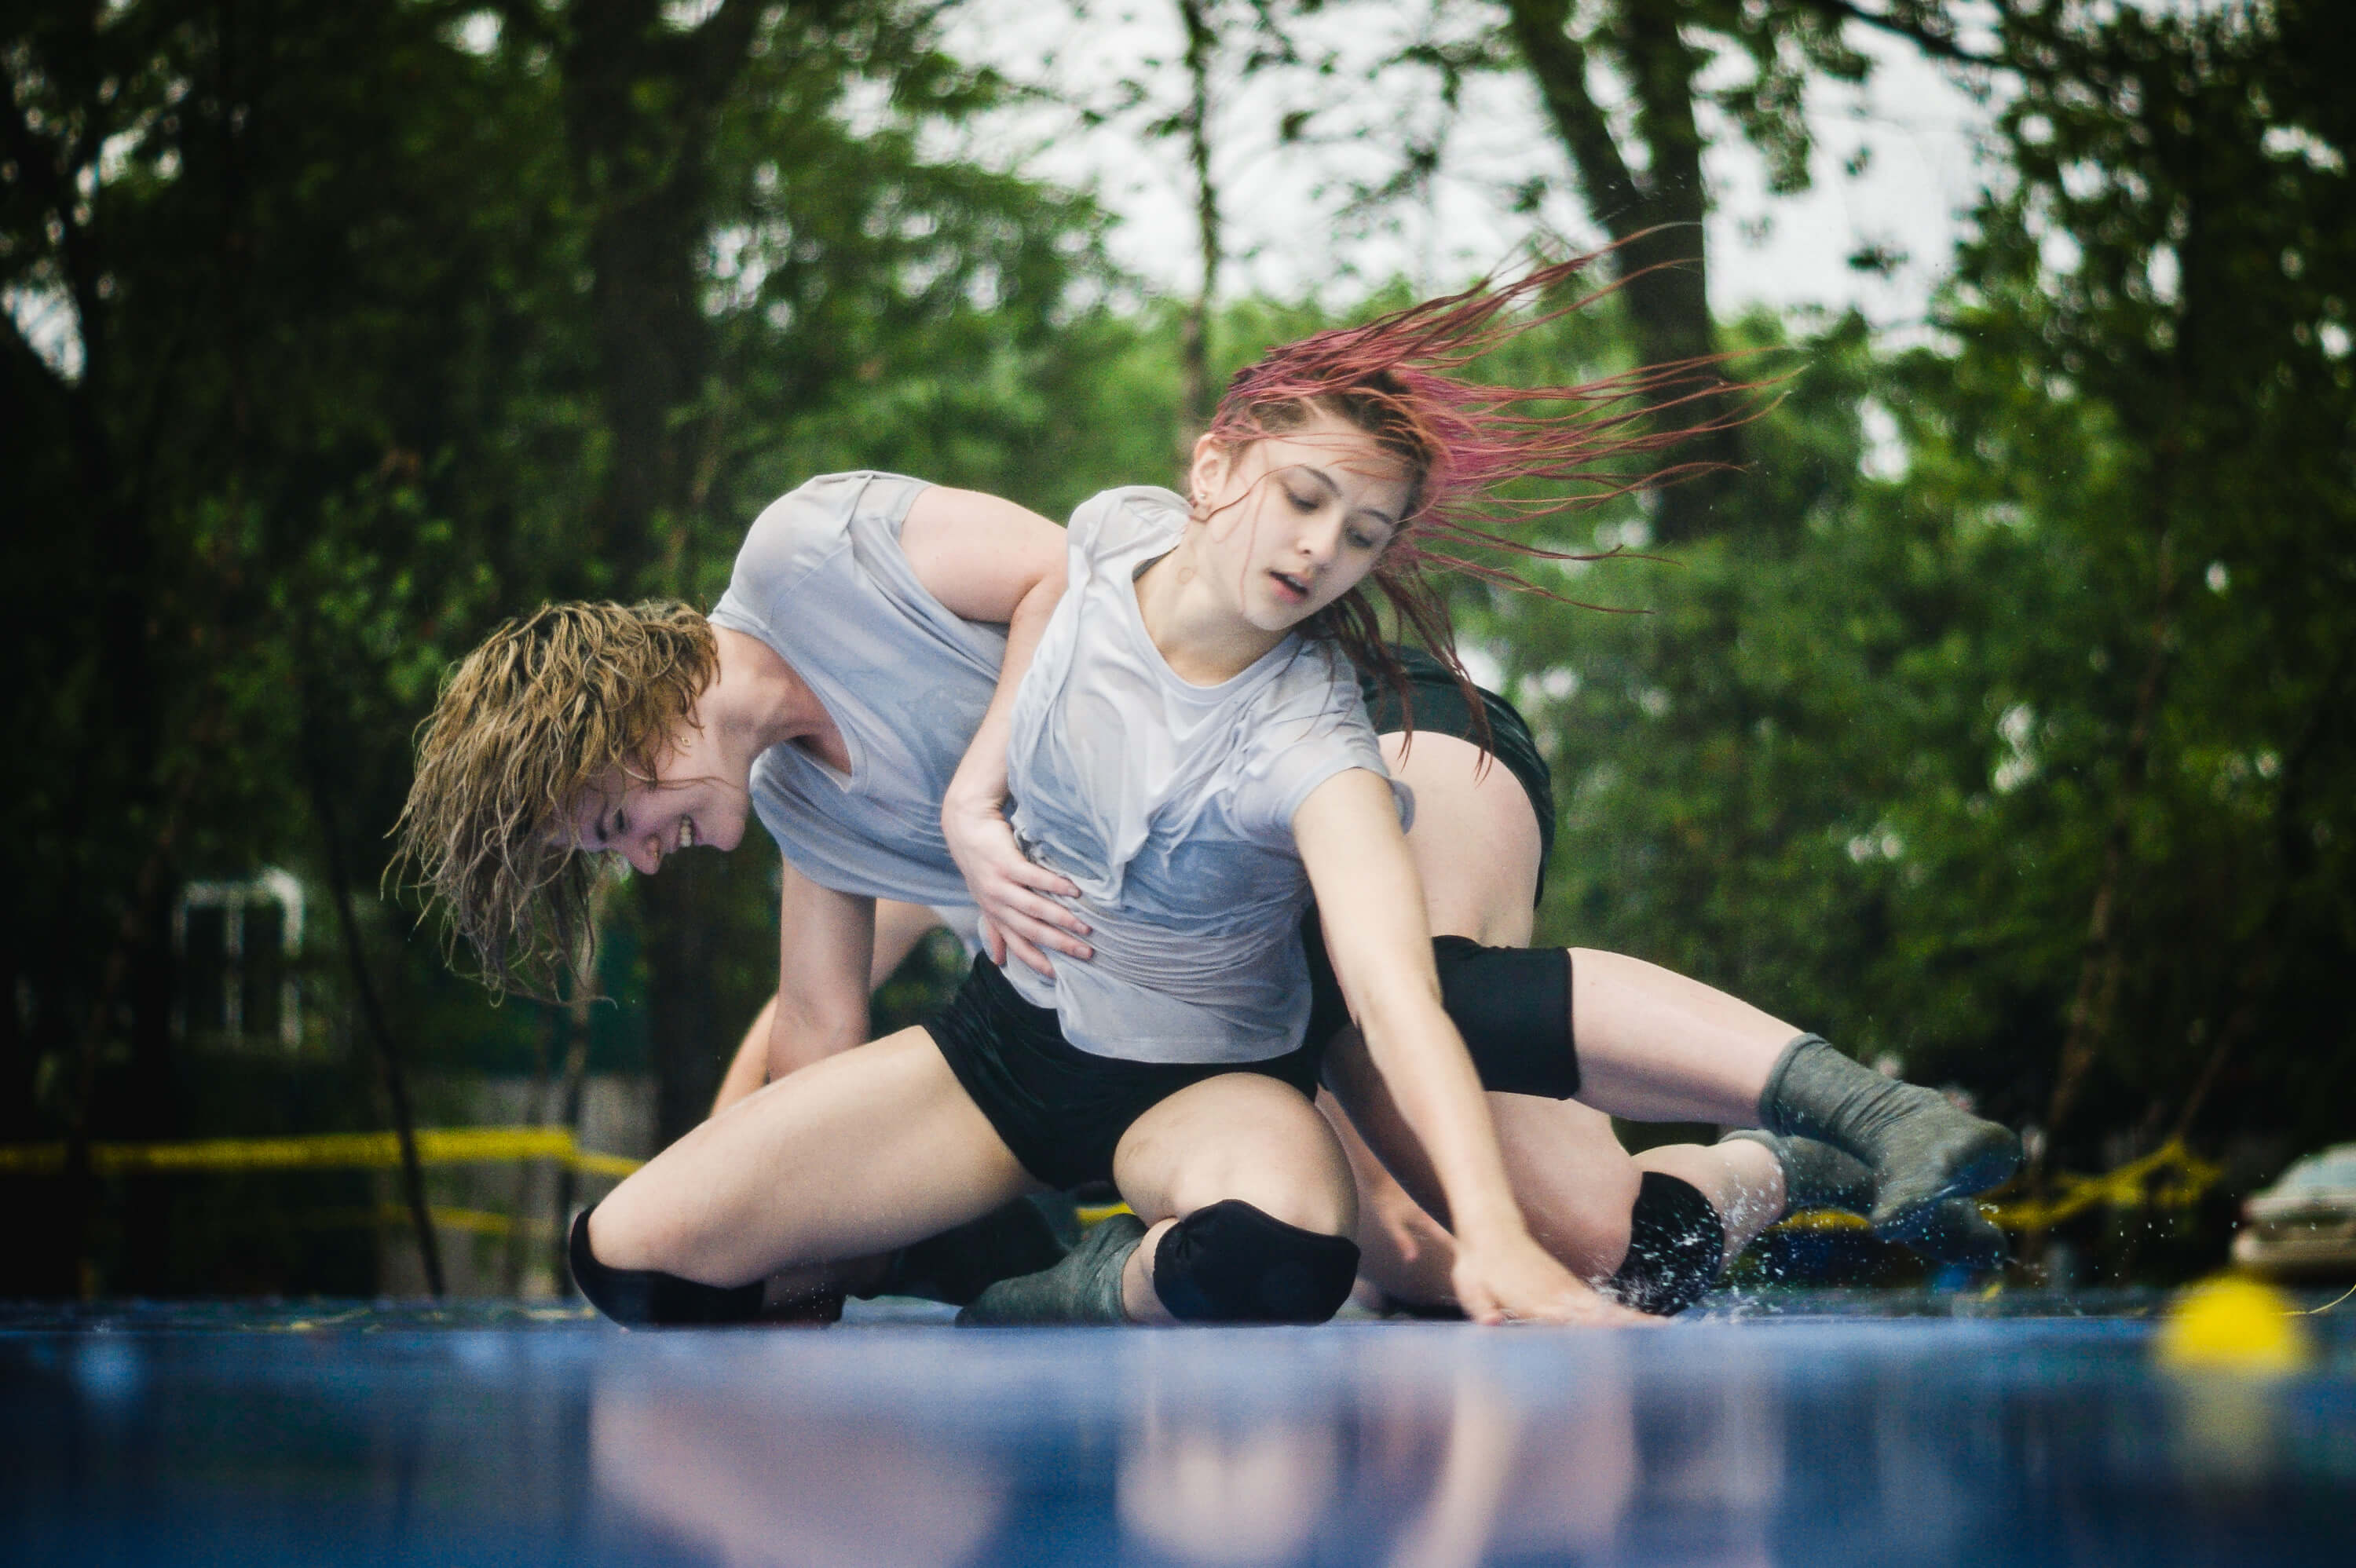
(822, 580)
(1171, 806)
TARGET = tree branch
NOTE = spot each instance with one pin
(723, 43)
(1558, 63)
(1932, 39)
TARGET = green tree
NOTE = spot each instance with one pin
(1641, 175)
(2014, 739)
(325, 352)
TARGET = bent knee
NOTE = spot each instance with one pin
(1592, 1242)
(1324, 1201)
(1576, 1185)
(1232, 1263)
(1243, 1137)
(628, 1230)
(646, 1298)
(617, 1233)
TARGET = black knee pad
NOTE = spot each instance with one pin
(647, 1297)
(1676, 1244)
(1512, 1005)
(1231, 1263)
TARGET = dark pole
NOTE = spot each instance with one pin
(396, 1084)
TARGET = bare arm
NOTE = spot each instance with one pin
(989, 560)
(898, 928)
(1371, 903)
(826, 943)
(749, 1068)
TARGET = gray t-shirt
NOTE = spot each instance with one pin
(1171, 806)
(821, 581)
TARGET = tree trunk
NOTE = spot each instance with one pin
(2102, 959)
(641, 105)
(680, 912)
(1197, 395)
(569, 1099)
(379, 1026)
(1654, 217)
(2293, 856)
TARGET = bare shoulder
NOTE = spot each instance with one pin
(978, 554)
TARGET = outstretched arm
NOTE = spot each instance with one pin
(989, 560)
(1371, 906)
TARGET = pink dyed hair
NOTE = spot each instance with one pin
(1462, 441)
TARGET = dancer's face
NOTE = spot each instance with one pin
(1292, 522)
(690, 801)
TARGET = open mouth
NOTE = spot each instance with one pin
(686, 839)
(1292, 590)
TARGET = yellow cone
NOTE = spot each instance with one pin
(2232, 1324)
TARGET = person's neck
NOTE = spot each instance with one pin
(758, 701)
(1200, 636)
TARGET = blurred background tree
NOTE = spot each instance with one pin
(1992, 716)
(2009, 735)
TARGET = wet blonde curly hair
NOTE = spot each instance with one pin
(549, 708)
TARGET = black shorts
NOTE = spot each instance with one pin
(1440, 708)
(1511, 1005)
(1060, 1109)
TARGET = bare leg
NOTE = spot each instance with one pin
(1476, 843)
(1656, 1047)
(1576, 1185)
(1403, 1251)
(866, 1151)
(1652, 1045)
(1239, 1136)
(1747, 1192)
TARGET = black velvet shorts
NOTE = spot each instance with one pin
(1440, 708)
(1060, 1109)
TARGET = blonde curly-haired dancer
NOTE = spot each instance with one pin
(859, 696)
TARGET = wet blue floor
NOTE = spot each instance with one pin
(1800, 1430)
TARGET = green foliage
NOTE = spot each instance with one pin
(388, 329)
(354, 382)
(2072, 628)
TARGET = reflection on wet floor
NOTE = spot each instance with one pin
(1207, 1467)
(1816, 1436)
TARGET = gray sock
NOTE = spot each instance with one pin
(1818, 1176)
(1084, 1288)
(1920, 1147)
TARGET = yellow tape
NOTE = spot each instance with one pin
(2168, 1176)
(2171, 1177)
(1821, 1219)
(472, 1221)
(325, 1151)
(395, 1216)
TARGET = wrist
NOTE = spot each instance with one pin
(967, 794)
(1487, 1227)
